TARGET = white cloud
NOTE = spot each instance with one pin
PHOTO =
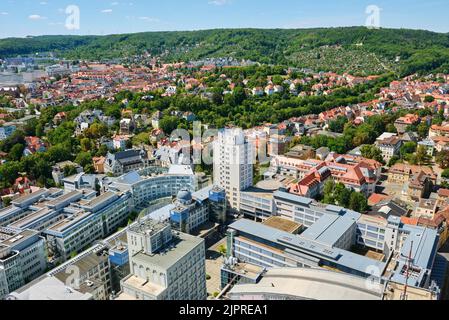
(106, 11)
(43, 3)
(220, 2)
(4, 13)
(36, 17)
(149, 19)
(115, 3)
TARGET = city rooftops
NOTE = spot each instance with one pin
(281, 194)
(294, 242)
(422, 244)
(148, 227)
(49, 288)
(313, 284)
(180, 246)
(100, 202)
(142, 285)
(65, 199)
(26, 200)
(330, 228)
(283, 224)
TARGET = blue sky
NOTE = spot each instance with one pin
(39, 17)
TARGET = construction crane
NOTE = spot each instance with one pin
(407, 273)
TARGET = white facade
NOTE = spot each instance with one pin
(164, 265)
(233, 164)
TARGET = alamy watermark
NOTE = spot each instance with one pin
(373, 18)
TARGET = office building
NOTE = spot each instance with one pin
(233, 164)
(165, 265)
(316, 284)
(335, 238)
(23, 258)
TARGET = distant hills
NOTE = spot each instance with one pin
(354, 49)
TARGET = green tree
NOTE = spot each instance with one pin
(358, 202)
(16, 152)
(445, 174)
(442, 158)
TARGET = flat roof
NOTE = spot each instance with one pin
(144, 285)
(30, 196)
(312, 284)
(292, 197)
(50, 288)
(307, 246)
(282, 224)
(329, 228)
(181, 245)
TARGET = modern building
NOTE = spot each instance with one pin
(88, 273)
(23, 258)
(165, 265)
(233, 164)
(48, 288)
(338, 239)
(316, 284)
(188, 212)
(89, 220)
(307, 284)
(154, 185)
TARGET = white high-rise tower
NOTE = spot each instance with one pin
(233, 164)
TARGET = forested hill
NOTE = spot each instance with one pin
(355, 49)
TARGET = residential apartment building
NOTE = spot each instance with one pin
(402, 123)
(389, 144)
(126, 161)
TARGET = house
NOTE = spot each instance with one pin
(426, 208)
(419, 186)
(410, 136)
(401, 174)
(98, 163)
(119, 142)
(389, 207)
(59, 117)
(429, 145)
(440, 131)
(189, 116)
(356, 173)
(127, 126)
(22, 184)
(258, 91)
(389, 144)
(402, 123)
(313, 184)
(269, 90)
(443, 197)
(6, 131)
(62, 169)
(125, 161)
(33, 145)
(322, 153)
(155, 119)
